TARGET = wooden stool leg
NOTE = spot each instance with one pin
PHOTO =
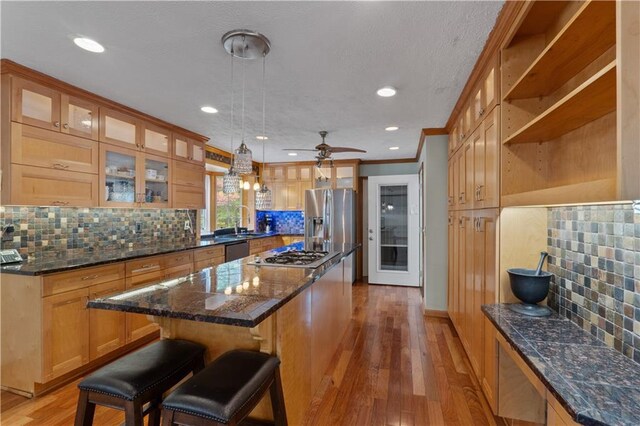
(85, 410)
(133, 413)
(154, 413)
(167, 417)
(277, 401)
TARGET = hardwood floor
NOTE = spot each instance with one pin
(393, 367)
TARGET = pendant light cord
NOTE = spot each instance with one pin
(232, 108)
(244, 47)
(264, 103)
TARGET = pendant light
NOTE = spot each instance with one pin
(231, 180)
(263, 195)
(244, 44)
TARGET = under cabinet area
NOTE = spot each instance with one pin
(62, 146)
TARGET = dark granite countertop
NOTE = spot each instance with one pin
(595, 384)
(234, 293)
(49, 265)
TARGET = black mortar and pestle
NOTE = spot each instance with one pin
(531, 286)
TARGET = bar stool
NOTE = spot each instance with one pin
(226, 391)
(137, 379)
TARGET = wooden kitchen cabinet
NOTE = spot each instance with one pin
(486, 162)
(126, 181)
(207, 257)
(40, 106)
(187, 149)
(188, 185)
(66, 332)
(106, 328)
(119, 129)
(155, 140)
(34, 146)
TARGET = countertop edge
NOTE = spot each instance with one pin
(208, 242)
(239, 322)
(578, 416)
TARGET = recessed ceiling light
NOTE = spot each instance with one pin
(393, 148)
(262, 138)
(88, 44)
(293, 154)
(209, 109)
(391, 128)
(386, 91)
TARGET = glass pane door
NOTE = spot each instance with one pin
(322, 177)
(36, 106)
(80, 119)
(156, 181)
(394, 229)
(120, 172)
(156, 141)
(344, 177)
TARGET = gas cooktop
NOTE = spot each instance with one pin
(295, 259)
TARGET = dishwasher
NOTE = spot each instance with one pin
(236, 250)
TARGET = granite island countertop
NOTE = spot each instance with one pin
(62, 263)
(595, 384)
(234, 293)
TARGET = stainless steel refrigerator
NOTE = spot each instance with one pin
(329, 216)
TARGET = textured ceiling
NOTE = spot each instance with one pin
(326, 63)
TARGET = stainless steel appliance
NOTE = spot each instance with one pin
(329, 216)
(236, 250)
(295, 259)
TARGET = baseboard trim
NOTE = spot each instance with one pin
(436, 313)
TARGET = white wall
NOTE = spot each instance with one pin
(434, 156)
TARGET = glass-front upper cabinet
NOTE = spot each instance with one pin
(156, 181)
(120, 167)
(322, 177)
(79, 117)
(186, 149)
(156, 140)
(35, 105)
(119, 129)
(345, 177)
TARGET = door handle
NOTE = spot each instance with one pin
(370, 238)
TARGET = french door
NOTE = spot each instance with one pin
(394, 234)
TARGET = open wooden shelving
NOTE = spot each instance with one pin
(582, 192)
(586, 36)
(591, 100)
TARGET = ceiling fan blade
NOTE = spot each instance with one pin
(344, 149)
(293, 149)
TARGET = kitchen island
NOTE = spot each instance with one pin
(298, 314)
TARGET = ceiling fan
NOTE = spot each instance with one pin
(324, 150)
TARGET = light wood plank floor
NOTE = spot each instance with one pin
(393, 367)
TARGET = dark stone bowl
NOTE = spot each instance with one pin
(529, 287)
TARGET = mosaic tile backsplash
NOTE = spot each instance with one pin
(57, 231)
(594, 253)
(285, 222)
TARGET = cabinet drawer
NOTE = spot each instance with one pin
(47, 187)
(80, 278)
(178, 259)
(207, 263)
(33, 146)
(208, 253)
(151, 277)
(145, 266)
(178, 271)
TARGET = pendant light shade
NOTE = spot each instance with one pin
(256, 186)
(231, 182)
(243, 160)
(263, 198)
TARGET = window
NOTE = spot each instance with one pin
(205, 215)
(227, 206)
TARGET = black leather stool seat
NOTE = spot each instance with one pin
(222, 389)
(160, 365)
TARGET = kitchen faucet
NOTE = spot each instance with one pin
(237, 222)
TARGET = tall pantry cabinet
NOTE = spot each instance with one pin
(553, 119)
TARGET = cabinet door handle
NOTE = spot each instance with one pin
(142, 146)
(480, 197)
(60, 166)
(90, 277)
(56, 124)
(65, 125)
(59, 203)
(461, 223)
(481, 112)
